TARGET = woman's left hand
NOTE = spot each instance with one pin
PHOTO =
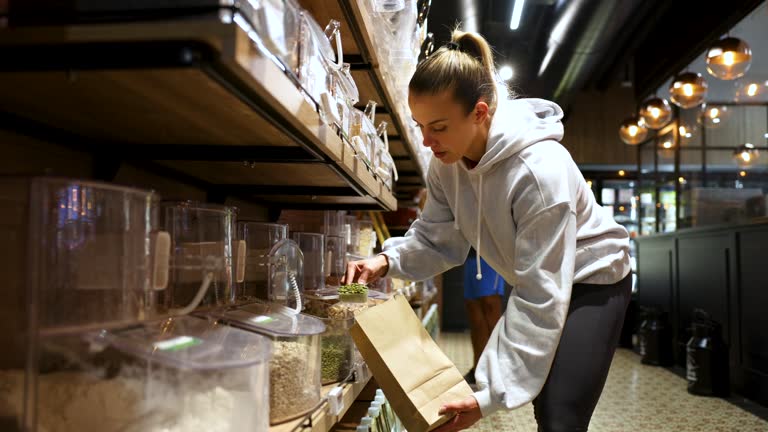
(467, 413)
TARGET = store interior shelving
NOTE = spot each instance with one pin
(195, 101)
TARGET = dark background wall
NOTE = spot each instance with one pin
(720, 270)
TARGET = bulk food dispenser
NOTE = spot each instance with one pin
(203, 259)
(295, 365)
(335, 247)
(338, 352)
(90, 344)
(178, 374)
(312, 245)
(274, 269)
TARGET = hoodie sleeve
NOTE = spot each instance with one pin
(432, 245)
(516, 362)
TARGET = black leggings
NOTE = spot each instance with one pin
(582, 360)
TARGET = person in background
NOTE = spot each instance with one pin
(482, 299)
(501, 182)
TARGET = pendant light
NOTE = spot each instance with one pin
(667, 147)
(745, 155)
(749, 90)
(729, 58)
(713, 116)
(633, 130)
(656, 112)
(688, 90)
(686, 132)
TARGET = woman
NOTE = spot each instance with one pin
(501, 182)
(482, 299)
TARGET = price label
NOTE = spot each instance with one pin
(336, 401)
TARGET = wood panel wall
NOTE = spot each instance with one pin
(592, 127)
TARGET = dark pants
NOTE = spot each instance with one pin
(582, 360)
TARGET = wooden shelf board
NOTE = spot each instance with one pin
(145, 106)
(320, 420)
(185, 105)
(315, 200)
(364, 22)
(405, 165)
(324, 11)
(365, 78)
(366, 88)
(391, 129)
(272, 174)
(397, 149)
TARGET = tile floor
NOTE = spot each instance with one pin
(636, 397)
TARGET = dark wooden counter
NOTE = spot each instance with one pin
(723, 270)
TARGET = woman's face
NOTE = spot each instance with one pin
(448, 130)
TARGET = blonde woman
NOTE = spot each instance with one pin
(501, 182)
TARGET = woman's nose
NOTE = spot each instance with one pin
(428, 141)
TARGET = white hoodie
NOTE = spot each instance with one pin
(528, 211)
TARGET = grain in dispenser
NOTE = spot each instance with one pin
(295, 366)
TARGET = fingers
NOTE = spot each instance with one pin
(457, 423)
(361, 272)
(458, 406)
(349, 276)
(365, 274)
(449, 426)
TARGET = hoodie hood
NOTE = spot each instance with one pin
(517, 124)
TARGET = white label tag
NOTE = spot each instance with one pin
(336, 401)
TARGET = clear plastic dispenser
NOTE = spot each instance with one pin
(313, 247)
(295, 367)
(202, 256)
(78, 256)
(259, 239)
(177, 374)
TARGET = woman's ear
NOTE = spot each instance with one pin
(481, 112)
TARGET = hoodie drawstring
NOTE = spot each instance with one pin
(456, 201)
(479, 275)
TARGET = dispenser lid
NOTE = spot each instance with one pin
(191, 343)
(272, 320)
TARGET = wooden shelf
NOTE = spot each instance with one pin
(368, 71)
(321, 420)
(195, 99)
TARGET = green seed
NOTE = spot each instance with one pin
(353, 288)
(336, 361)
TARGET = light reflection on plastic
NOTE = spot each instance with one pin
(75, 214)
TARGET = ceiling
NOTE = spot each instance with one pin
(563, 46)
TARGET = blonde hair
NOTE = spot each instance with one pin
(467, 68)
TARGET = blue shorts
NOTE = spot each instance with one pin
(492, 283)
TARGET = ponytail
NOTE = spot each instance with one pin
(464, 66)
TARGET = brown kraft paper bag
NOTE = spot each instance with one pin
(415, 375)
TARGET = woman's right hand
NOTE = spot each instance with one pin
(366, 271)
